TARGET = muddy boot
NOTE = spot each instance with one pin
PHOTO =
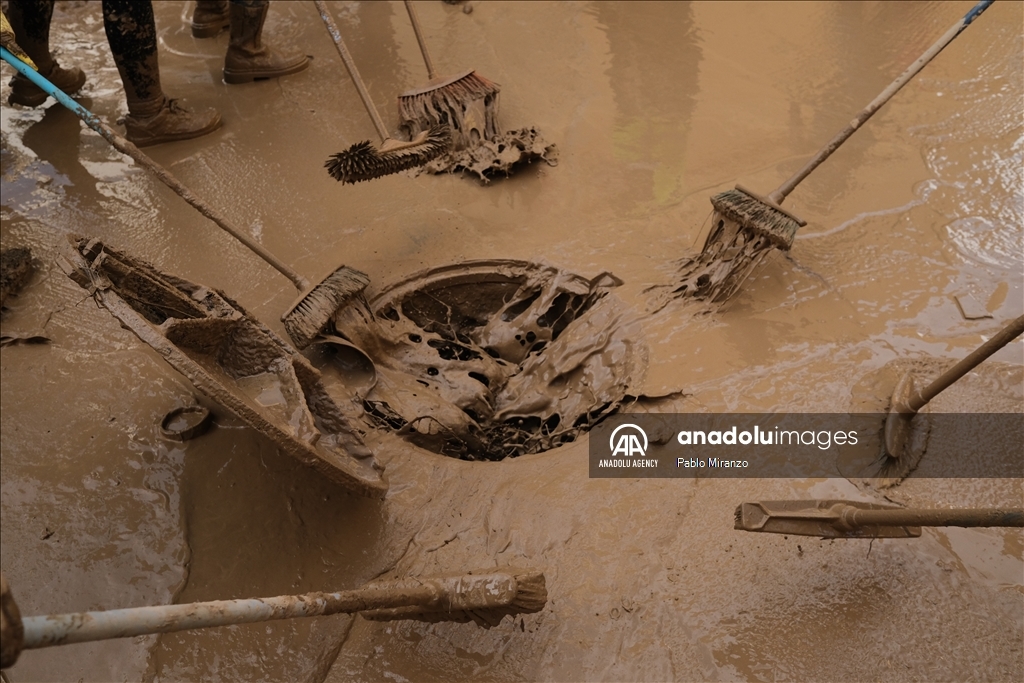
(152, 117)
(248, 59)
(210, 18)
(30, 21)
(166, 120)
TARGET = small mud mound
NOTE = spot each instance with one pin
(15, 271)
(490, 360)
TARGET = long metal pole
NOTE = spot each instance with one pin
(1001, 339)
(832, 145)
(854, 518)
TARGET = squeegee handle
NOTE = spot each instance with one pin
(126, 147)
(81, 627)
(832, 145)
(854, 518)
(364, 95)
(431, 74)
(1001, 339)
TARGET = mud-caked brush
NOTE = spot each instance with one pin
(466, 102)
(361, 161)
(484, 598)
(746, 226)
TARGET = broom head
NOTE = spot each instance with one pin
(484, 597)
(902, 446)
(310, 312)
(362, 162)
(758, 214)
(745, 228)
(457, 102)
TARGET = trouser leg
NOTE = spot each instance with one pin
(248, 58)
(30, 21)
(152, 117)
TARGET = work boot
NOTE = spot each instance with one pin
(247, 58)
(30, 21)
(210, 18)
(28, 94)
(167, 120)
(152, 116)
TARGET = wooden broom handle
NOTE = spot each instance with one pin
(364, 95)
(832, 145)
(1002, 338)
(431, 74)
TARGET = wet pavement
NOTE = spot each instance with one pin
(654, 108)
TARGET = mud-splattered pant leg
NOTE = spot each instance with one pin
(131, 32)
(30, 21)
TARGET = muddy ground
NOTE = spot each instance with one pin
(654, 108)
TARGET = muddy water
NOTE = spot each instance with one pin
(654, 109)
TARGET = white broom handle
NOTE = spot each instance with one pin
(364, 95)
(82, 627)
(431, 74)
(832, 145)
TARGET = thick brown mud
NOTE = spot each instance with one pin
(654, 108)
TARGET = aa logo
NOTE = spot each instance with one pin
(632, 442)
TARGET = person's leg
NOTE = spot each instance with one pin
(210, 18)
(30, 21)
(152, 117)
(248, 59)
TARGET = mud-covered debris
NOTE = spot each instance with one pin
(232, 358)
(490, 360)
(16, 268)
(11, 339)
(500, 155)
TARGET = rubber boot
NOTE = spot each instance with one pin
(152, 118)
(248, 59)
(210, 18)
(30, 21)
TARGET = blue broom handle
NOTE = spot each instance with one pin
(832, 145)
(53, 91)
(126, 147)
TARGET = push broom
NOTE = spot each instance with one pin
(746, 226)
(315, 304)
(361, 161)
(898, 459)
(485, 597)
(464, 102)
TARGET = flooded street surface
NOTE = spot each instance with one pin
(654, 108)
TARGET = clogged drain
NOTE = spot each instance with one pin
(491, 360)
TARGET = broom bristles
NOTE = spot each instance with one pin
(744, 230)
(531, 596)
(311, 311)
(754, 214)
(446, 104)
(362, 161)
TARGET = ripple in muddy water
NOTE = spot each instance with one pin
(495, 359)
